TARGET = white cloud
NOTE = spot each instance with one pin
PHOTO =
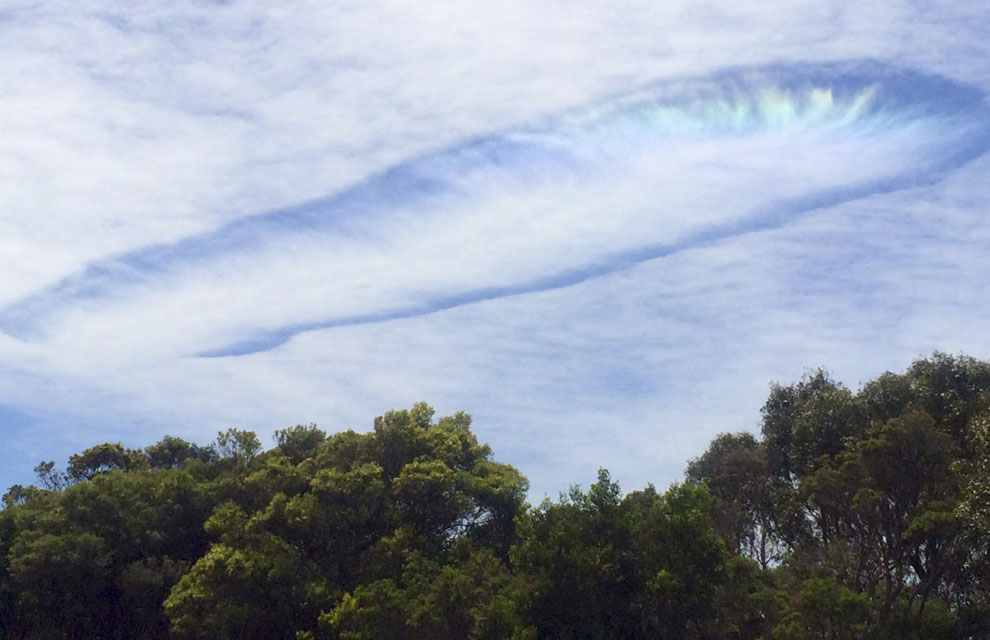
(124, 129)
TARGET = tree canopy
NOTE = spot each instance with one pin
(853, 514)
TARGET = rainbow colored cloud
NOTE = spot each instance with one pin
(670, 167)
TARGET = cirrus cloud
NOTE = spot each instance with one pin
(602, 229)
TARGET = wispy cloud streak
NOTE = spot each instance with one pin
(550, 204)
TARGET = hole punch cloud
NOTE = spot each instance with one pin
(675, 166)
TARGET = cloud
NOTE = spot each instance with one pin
(600, 228)
(602, 188)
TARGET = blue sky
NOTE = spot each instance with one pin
(602, 229)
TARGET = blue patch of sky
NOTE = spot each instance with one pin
(14, 425)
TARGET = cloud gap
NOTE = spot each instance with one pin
(938, 123)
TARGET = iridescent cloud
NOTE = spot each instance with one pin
(631, 178)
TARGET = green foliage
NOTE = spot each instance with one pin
(603, 566)
(829, 610)
(299, 442)
(804, 422)
(238, 445)
(876, 496)
(262, 588)
(318, 523)
(466, 593)
(50, 477)
(175, 452)
(61, 581)
(104, 457)
(745, 499)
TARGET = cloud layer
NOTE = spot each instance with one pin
(630, 179)
(601, 230)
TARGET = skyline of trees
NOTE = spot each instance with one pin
(850, 515)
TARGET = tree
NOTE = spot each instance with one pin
(803, 422)
(62, 582)
(469, 594)
(172, 452)
(856, 515)
(300, 441)
(952, 390)
(238, 445)
(329, 524)
(103, 457)
(886, 509)
(603, 566)
(50, 477)
(745, 500)
(264, 590)
(16, 494)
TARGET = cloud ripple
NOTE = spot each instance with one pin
(675, 166)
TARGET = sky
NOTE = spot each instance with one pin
(601, 228)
